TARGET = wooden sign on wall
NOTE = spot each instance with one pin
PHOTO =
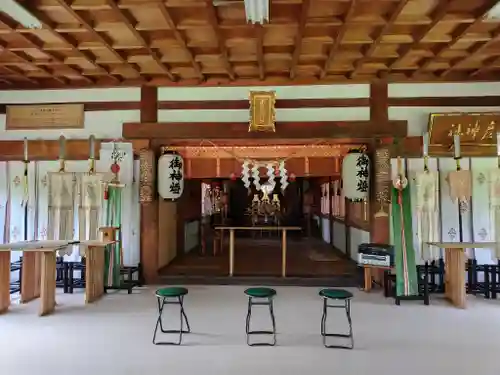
(262, 111)
(475, 129)
(38, 117)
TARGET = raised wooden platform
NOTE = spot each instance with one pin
(258, 261)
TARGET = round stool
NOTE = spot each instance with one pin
(171, 296)
(337, 295)
(263, 297)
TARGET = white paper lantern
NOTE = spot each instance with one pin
(356, 176)
(170, 176)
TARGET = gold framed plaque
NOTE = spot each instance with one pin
(262, 111)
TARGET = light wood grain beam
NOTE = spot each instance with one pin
(298, 38)
(338, 38)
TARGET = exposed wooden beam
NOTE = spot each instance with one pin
(259, 30)
(66, 5)
(458, 34)
(487, 66)
(436, 16)
(39, 47)
(130, 25)
(180, 39)
(214, 22)
(370, 49)
(291, 130)
(19, 75)
(298, 38)
(47, 25)
(338, 38)
(475, 51)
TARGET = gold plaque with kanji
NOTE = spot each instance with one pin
(475, 129)
(262, 111)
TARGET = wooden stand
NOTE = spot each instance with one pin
(455, 260)
(283, 243)
(40, 257)
(369, 275)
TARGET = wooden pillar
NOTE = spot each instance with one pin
(149, 212)
(379, 116)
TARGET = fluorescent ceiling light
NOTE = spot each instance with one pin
(257, 11)
(15, 11)
(494, 13)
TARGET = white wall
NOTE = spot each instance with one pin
(418, 117)
(101, 124)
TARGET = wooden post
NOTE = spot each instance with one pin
(379, 115)
(149, 212)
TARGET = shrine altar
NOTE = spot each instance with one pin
(39, 271)
(455, 259)
(261, 228)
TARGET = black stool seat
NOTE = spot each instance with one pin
(336, 295)
(264, 297)
(171, 296)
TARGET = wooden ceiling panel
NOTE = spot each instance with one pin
(189, 42)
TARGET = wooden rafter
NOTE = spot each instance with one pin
(259, 30)
(210, 43)
(298, 38)
(491, 65)
(369, 50)
(47, 25)
(180, 39)
(130, 24)
(475, 51)
(338, 38)
(19, 75)
(65, 4)
(458, 34)
(24, 60)
(214, 22)
(436, 16)
(39, 47)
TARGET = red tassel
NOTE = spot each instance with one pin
(106, 194)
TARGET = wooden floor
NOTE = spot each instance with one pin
(262, 258)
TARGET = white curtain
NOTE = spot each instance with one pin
(89, 208)
(4, 196)
(62, 194)
(16, 215)
(130, 197)
(495, 209)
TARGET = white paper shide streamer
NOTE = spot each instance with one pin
(270, 176)
(283, 175)
(255, 176)
(245, 174)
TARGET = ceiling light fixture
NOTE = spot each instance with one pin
(18, 13)
(257, 11)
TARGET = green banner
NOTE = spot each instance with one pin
(406, 268)
(113, 255)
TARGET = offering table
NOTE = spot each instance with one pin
(283, 243)
(39, 271)
(455, 259)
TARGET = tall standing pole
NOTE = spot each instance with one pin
(26, 189)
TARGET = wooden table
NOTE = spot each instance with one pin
(39, 271)
(231, 243)
(369, 275)
(455, 268)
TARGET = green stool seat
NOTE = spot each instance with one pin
(260, 292)
(264, 297)
(174, 291)
(171, 296)
(335, 293)
(341, 299)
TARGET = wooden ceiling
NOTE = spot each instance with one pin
(194, 42)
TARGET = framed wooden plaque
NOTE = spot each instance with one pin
(262, 111)
(43, 117)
